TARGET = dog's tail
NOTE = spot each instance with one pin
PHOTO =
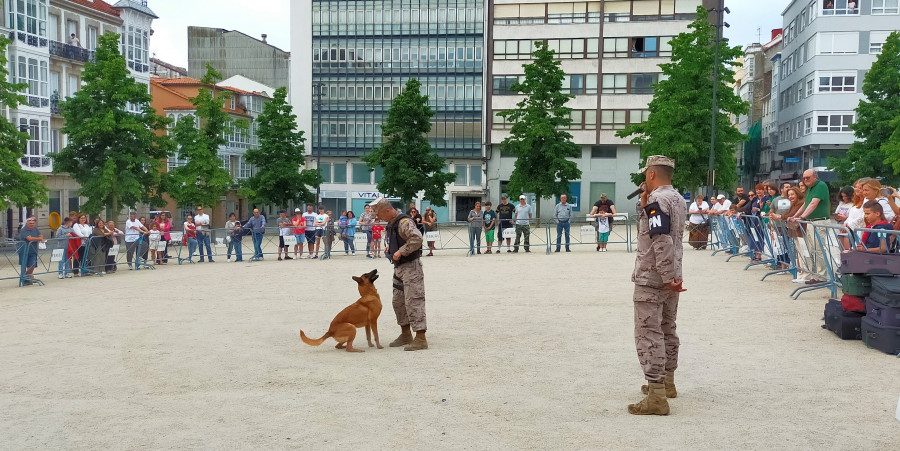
(312, 342)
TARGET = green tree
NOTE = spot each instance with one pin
(872, 155)
(202, 180)
(17, 185)
(679, 124)
(538, 137)
(410, 164)
(278, 179)
(113, 153)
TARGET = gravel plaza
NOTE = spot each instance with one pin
(527, 351)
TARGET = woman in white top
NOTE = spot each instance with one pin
(699, 230)
(84, 231)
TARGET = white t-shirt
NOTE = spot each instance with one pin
(132, 235)
(603, 224)
(202, 222)
(723, 206)
(321, 219)
(310, 219)
(696, 217)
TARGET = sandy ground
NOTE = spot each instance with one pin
(527, 351)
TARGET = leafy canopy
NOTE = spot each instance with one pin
(679, 124)
(876, 153)
(202, 180)
(410, 164)
(112, 153)
(17, 186)
(278, 179)
(538, 137)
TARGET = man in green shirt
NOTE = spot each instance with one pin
(815, 208)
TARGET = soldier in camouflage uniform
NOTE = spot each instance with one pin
(404, 249)
(657, 284)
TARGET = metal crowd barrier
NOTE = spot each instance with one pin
(584, 231)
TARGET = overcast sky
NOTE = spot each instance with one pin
(255, 17)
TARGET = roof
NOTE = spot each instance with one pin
(165, 83)
(773, 42)
(223, 31)
(139, 7)
(97, 5)
(171, 67)
(248, 85)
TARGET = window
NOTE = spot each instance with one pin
(522, 49)
(642, 83)
(885, 6)
(876, 41)
(807, 125)
(29, 16)
(340, 173)
(615, 84)
(475, 175)
(38, 143)
(245, 170)
(461, 171)
(603, 152)
(834, 122)
(503, 85)
(618, 119)
(837, 82)
(361, 173)
(637, 47)
(838, 43)
(574, 84)
(325, 172)
(839, 7)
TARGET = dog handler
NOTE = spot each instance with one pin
(405, 249)
(657, 284)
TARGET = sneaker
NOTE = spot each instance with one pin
(799, 280)
(201, 260)
(316, 256)
(508, 251)
(279, 258)
(368, 255)
(287, 258)
(69, 276)
(211, 261)
(62, 276)
(488, 252)
(229, 258)
(354, 253)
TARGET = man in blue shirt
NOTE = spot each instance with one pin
(28, 249)
(257, 226)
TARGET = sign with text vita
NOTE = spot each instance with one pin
(368, 195)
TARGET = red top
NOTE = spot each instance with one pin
(377, 229)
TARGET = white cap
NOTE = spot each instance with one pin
(521, 197)
(720, 196)
(297, 210)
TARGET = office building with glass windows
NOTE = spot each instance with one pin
(362, 53)
(828, 48)
(611, 52)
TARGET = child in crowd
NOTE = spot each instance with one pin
(377, 231)
(602, 232)
(190, 238)
(236, 234)
(154, 243)
(875, 242)
(62, 236)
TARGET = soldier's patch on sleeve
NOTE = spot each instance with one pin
(660, 222)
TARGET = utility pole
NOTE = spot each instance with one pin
(711, 176)
(318, 93)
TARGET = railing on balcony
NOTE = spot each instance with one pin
(29, 39)
(54, 105)
(72, 52)
(37, 162)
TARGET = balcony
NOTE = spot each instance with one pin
(54, 105)
(38, 163)
(29, 39)
(71, 52)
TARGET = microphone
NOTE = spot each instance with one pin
(635, 194)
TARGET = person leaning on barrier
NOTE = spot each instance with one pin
(257, 226)
(523, 224)
(63, 237)
(816, 208)
(404, 249)
(83, 230)
(30, 236)
(201, 220)
(563, 216)
(430, 221)
(721, 206)
(657, 281)
(285, 228)
(133, 231)
(605, 211)
(875, 242)
(299, 225)
(490, 224)
(699, 219)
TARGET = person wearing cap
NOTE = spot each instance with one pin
(523, 223)
(562, 215)
(721, 206)
(505, 212)
(604, 210)
(657, 284)
(299, 225)
(404, 249)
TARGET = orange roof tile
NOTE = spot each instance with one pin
(98, 5)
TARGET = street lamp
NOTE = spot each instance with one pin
(711, 176)
(319, 91)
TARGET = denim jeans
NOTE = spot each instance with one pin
(349, 244)
(257, 244)
(203, 239)
(231, 245)
(474, 237)
(560, 227)
(192, 247)
(64, 265)
(238, 252)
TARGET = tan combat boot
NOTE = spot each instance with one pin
(670, 386)
(405, 338)
(654, 404)
(419, 343)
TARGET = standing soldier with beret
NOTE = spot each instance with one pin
(657, 284)
(404, 249)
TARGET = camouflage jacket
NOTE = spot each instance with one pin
(660, 230)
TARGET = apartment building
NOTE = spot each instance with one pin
(52, 40)
(362, 54)
(232, 53)
(162, 69)
(828, 48)
(171, 98)
(611, 52)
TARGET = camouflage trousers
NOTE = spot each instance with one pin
(657, 343)
(409, 295)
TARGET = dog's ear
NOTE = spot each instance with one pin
(357, 279)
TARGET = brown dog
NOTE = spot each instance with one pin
(363, 312)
